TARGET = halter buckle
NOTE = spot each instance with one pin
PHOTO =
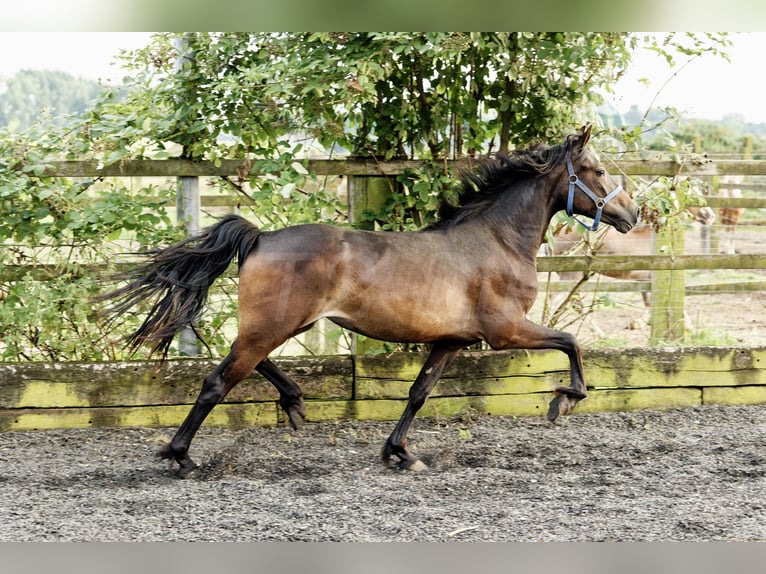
(600, 202)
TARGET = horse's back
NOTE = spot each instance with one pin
(407, 287)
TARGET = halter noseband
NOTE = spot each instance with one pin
(599, 201)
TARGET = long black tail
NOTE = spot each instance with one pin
(175, 280)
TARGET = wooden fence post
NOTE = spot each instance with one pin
(187, 202)
(187, 210)
(668, 289)
(365, 193)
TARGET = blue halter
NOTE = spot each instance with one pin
(599, 201)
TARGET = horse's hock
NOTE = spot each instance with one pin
(375, 387)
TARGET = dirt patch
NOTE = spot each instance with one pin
(727, 318)
(693, 474)
(712, 320)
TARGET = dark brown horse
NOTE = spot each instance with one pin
(470, 277)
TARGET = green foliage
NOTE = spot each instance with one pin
(392, 94)
(58, 236)
(414, 199)
(666, 200)
(269, 100)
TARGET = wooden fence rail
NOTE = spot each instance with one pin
(590, 263)
(369, 167)
(360, 171)
(375, 387)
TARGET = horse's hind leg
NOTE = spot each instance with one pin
(290, 394)
(237, 365)
(438, 360)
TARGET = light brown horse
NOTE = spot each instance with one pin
(637, 242)
(470, 277)
(730, 216)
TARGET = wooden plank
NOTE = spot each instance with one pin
(222, 168)
(597, 401)
(233, 167)
(369, 388)
(726, 287)
(236, 416)
(671, 367)
(507, 372)
(516, 372)
(177, 382)
(225, 416)
(745, 395)
(545, 264)
(626, 286)
(596, 284)
(670, 167)
(736, 202)
(528, 404)
(624, 400)
(391, 409)
(614, 400)
(503, 383)
(744, 185)
(599, 263)
(482, 364)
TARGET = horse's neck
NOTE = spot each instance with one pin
(520, 221)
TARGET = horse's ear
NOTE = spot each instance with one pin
(583, 137)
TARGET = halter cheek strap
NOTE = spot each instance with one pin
(599, 201)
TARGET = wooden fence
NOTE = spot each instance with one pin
(668, 268)
(362, 174)
(359, 170)
(53, 395)
(374, 387)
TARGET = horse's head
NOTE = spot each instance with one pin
(592, 192)
(702, 213)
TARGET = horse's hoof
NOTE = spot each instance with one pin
(164, 452)
(417, 466)
(559, 406)
(187, 468)
(296, 417)
(186, 465)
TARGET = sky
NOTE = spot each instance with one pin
(709, 87)
(89, 55)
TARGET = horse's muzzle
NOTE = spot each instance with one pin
(624, 224)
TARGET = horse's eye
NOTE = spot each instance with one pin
(600, 172)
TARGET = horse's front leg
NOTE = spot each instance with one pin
(528, 335)
(441, 356)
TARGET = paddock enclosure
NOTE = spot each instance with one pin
(669, 444)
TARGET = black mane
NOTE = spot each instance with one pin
(488, 177)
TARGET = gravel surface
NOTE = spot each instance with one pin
(693, 474)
